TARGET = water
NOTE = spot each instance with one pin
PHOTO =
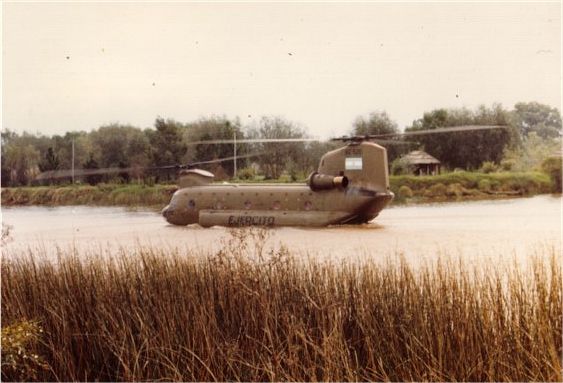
(497, 230)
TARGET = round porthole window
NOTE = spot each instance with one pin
(191, 204)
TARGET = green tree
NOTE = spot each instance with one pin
(118, 144)
(309, 161)
(138, 153)
(277, 155)
(532, 151)
(122, 146)
(50, 162)
(167, 145)
(7, 139)
(22, 159)
(91, 163)
(15, 145)
(62, 146)
(378, 123)
(535, 117)
(553, 167)
(375, 123)
(467, 149)
(216, 128)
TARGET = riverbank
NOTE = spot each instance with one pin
(132, 195)
(239, 315)
(411, 189)
(468, 186)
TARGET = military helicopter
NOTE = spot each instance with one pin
(350, 186)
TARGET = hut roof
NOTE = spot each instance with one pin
(419, 157)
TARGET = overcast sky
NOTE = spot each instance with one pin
(70, 66)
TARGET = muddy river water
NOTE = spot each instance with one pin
(497, 230)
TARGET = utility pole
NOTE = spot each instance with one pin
(235, 154)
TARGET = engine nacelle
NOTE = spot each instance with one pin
(194, 177)
(318, 181)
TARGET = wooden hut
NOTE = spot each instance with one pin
(421, 163)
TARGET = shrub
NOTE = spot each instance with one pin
(507, 164)
(437, 190)
(285, 178)
(485, 185)
(246, 173)
(19, 361)
(552, 166)
(399, 166)
(6, 233)
(405, 192)
(149, 181)
(488, 167)
(456, 190)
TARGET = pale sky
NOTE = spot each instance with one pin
(70, 66)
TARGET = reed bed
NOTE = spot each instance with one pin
(246, 314)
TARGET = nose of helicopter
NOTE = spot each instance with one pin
(166, 212)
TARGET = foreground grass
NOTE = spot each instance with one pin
(154, 314)
(445, 187)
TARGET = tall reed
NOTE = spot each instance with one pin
(245, 314)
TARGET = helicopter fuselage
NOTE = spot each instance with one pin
(351, 186)
(273, 205)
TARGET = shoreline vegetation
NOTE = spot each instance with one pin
(408, 189)
(245, 314)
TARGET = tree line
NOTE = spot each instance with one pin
(148, 155)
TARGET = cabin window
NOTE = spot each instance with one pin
(354, 163)
(247, 205)
(276, 205)
(191, 204)
(308, 205)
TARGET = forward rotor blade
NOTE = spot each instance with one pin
(66, 173)
(53, 174)
(252, 141)
(226, 159)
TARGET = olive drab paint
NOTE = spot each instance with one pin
(351, 186)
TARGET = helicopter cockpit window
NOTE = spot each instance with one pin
(353, 163)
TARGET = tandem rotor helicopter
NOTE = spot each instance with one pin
(350, 186)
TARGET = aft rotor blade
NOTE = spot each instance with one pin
(451, 129)
(393, 142)
(252, 141)
(358, 139)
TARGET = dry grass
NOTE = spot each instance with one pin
(165, 315)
